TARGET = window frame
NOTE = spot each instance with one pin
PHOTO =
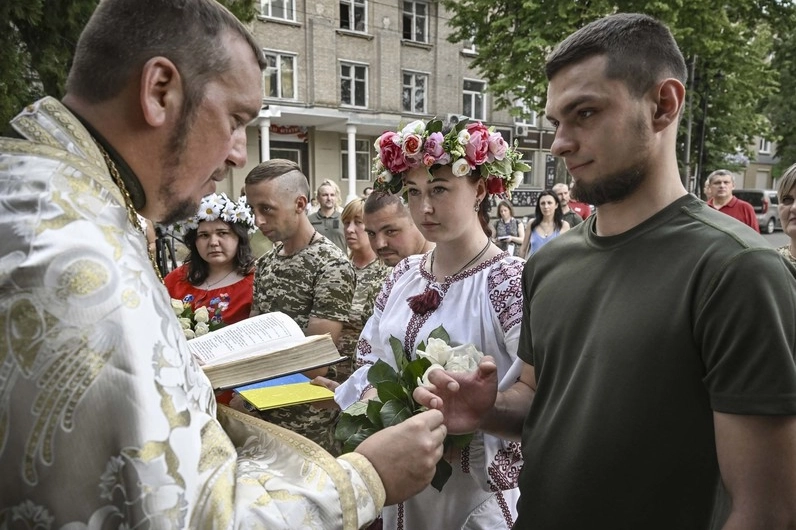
(279, 55)
(352, 8)
(414, 16)
(415, 75)
(353, 65)
(472, 94)
(288, 7)
(367, 157)
(763, 146)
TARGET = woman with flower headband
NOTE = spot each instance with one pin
(466, 284)
(219, 270)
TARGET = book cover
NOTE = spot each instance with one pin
(283, 392)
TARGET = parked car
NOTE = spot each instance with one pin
(765, 205)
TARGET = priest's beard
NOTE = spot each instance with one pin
(179, 209)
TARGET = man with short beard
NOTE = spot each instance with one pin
(391, 230)
(653, 402)
(106, 420)
(569, 215)
(326, 220)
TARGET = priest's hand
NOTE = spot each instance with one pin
(405, 455)
(463, 398)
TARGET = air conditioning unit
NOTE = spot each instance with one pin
(454, 119)
(521, 131)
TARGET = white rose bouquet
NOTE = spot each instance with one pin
(194, 323)
(395, 403)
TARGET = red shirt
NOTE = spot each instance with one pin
(231, 303)
(580, 208)
(741, 210)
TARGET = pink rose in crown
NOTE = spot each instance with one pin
(412, 144)
(444, 159)
(391, 154)
(477, 149)
(495, 186)
(433, 145)
(497, 147)
(429, 160)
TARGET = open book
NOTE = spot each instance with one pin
(258, 348)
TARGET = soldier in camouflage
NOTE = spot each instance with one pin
(305, 276)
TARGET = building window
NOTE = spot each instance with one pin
(473, 99)
(354, 84)
(279, 76)
(764, 146)
(353, 14)
(470, 47)
(362, 158)
(526, 116)
(415, 16)
(414, 92)
(284, 9)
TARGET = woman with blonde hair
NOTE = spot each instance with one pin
(786, 193)
(465, 284)
(370, 273)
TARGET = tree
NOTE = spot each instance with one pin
(37, 41)
(780, 107)
(726, 44)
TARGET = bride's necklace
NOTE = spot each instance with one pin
(476, 258)
(432, 296)
(209, 285)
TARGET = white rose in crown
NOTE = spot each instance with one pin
(201, 328)
(177, 306)
(185, 323)
(201, 315)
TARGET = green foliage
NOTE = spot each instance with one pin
(780, 107)
(730, 43)
(38, 40)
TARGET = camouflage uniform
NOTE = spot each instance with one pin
(370, 279)
(330, 227)
(317, 281)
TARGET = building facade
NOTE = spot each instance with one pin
(341, 72)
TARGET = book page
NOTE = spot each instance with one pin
(263, 333)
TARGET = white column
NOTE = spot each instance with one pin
(265, 139)
(351, 131)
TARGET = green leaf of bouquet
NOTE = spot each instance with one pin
(440, 333)
(357, 409)
(373, 412)
(520, 166)
(389, 391)
(348, 426)
(380, 372)
(398, 352)
(444, 471)
(413, 370)
(394, 412)
(353, 441)
(463, 121)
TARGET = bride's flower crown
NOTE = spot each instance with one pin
(468, 147)
(218, 206)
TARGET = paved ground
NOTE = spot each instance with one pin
(777, 239)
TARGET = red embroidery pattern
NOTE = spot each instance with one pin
(384, 294)
(363, 348)
(505, 293)
(504, 470)
(504, 507)
(465, 459)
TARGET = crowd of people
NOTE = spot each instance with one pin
(646, 401)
